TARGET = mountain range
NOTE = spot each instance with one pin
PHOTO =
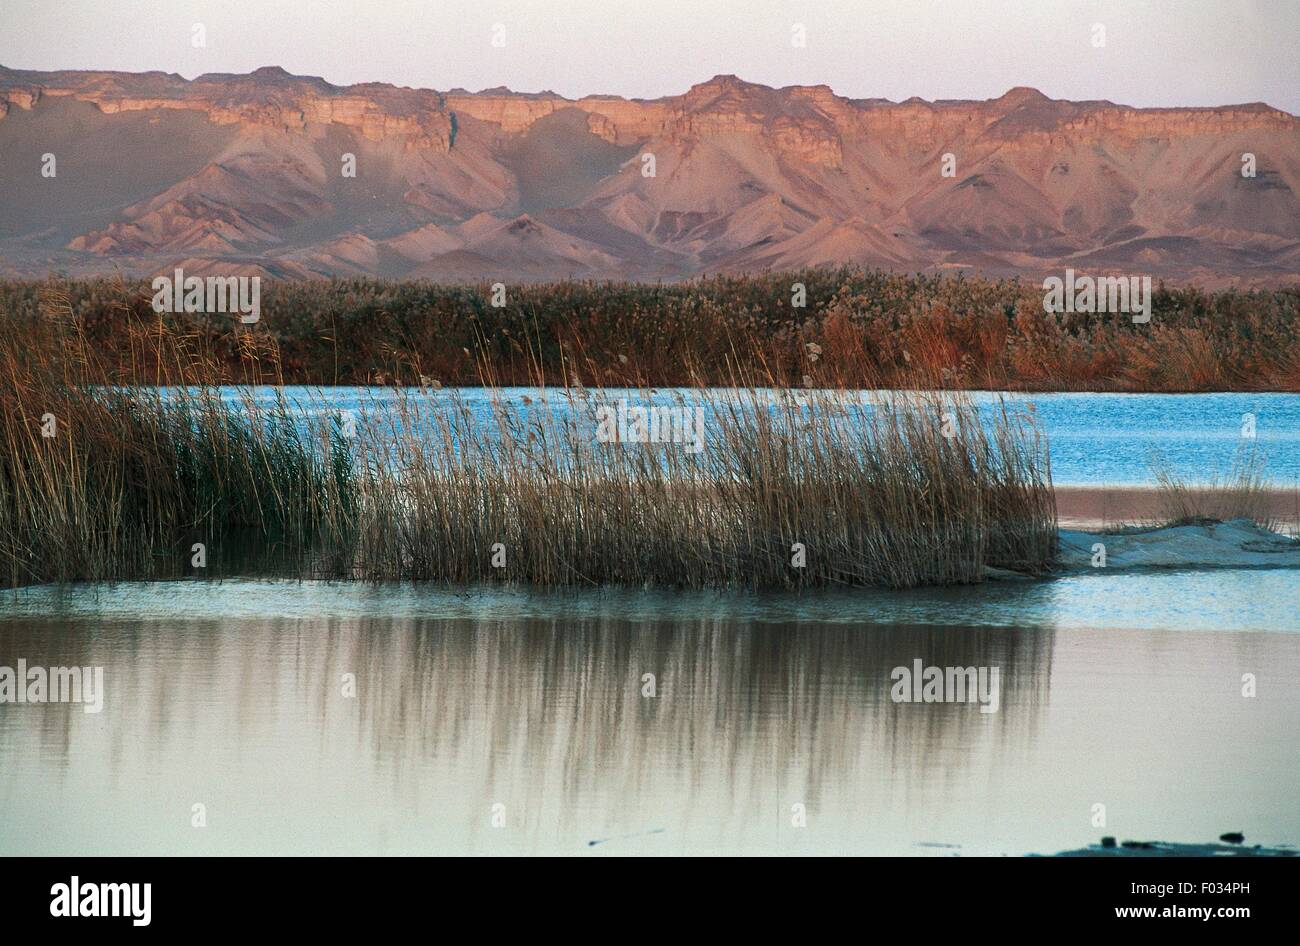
(137, 173)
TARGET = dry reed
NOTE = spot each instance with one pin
(1243, 493)
(791, 488)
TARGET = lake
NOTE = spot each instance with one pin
(479, 705)
(321, 718)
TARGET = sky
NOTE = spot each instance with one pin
(1153, 52)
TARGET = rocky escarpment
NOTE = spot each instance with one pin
(268, 97)
(729, 175)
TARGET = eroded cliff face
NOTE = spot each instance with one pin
(811, 122)
(269, 97)
(744, 176)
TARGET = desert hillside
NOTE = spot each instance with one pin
(246, 173)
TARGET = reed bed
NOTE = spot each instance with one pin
(873, 329)
(790, 488)
(816, 489)
(104, 477)
(1244, 492)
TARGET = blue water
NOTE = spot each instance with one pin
(1231, 599)
(1094, 439)
(1112, 438)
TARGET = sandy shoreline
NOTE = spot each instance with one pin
(1099, 507)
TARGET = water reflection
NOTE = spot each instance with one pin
(545, 716)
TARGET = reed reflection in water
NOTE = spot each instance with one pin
(546, 717)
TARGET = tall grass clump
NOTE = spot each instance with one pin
(790, 487)
(1245, 492)
(105, 476)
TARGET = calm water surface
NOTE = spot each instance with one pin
(1123, 690)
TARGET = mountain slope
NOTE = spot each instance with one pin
(729, 176)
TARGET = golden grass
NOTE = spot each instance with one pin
(101, 480)
(869, 328)
(1243, 493)
(874, 492)
(896, 491)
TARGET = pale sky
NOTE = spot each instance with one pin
(1156, 52)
